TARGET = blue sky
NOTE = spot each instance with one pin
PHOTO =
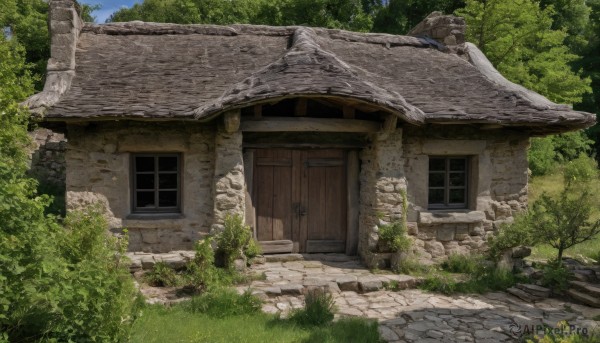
(108, 7)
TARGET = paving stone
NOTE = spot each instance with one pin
(272, 291)
(283, 257)
(347, 283)
(292, 289)
(387, 334)
(369, 284)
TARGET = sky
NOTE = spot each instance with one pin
(108, 7)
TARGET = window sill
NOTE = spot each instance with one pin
(450, 216)
(154, 216)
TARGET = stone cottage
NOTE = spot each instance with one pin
(315, 136)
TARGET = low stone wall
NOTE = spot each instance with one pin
(98, 171)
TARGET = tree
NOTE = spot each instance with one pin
(399, 16)
(565, 220)
(517, 37)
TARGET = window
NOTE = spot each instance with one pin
(448, 182)
(156, 183)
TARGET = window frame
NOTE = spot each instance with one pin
(134, 189)
(447, 205)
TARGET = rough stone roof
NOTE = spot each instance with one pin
(165, 71)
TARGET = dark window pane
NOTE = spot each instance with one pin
(145, 199)
(145, 181)
(457, 196)
(167, 199)
(437, 164)
(457, 179)
(144, 164)
(436, 179)
(458, 164)
(166, 181)
(167, 163)
(436, 196)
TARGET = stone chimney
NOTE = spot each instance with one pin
(446, 29)
(64, 24)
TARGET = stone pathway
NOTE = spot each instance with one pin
(410, 315)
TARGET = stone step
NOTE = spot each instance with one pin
(283, 257)
(521, 294)
(584, 298)
(587, 288)
(361, 284)
(534, 290)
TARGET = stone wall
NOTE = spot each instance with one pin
(98, 171)
(497, 187)
(230, 186)
(48, 157)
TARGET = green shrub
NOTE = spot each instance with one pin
(232, 242)
(511, 235)
(394, 235)
(556, 276)
(580, 170)
(458, 263)
(253, 249)
(162, 275)
(318, 309)
(224, 302)
(541, 156)
(411, 265)
(201, 273)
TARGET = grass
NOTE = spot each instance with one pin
(222, 315)
(159, 324)
(553, 185)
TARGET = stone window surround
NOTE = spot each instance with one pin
(157, 210)
(478, 187)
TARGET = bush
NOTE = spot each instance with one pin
(517, 233)
(162, 275)
(224, 302)
(556, 276)
(580, 171)
(253, 249)
(541, 156)
(234, 240)
(394, 235)
(410, 265)
(457, 263)
(318, 309)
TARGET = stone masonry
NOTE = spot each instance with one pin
(98, 171)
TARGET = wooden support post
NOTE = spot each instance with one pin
(349, 112)
(301, 105)
(232, 121)
(389, 126)
(353, 170)
(249, 178)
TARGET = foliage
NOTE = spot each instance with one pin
(564, 221)
(224, 302)
(394, 235)
(253, 249)
(318, 309)
(541, 156)
(556, 276)
(512, 235)
(323, 13)
(458, 263)
(400, 16)
(233, 241)
(162, 275)
(346, 330)
(517, 38)
(564, 333)
(410, 264)
(581, 170)
(485, 278)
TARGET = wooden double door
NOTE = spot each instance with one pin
(300, 196)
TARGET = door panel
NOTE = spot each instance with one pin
(300, 195)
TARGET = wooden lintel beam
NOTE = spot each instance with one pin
(349, 112)
(232, 121)
(303, 124)
(389, 125)
(301, 105)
